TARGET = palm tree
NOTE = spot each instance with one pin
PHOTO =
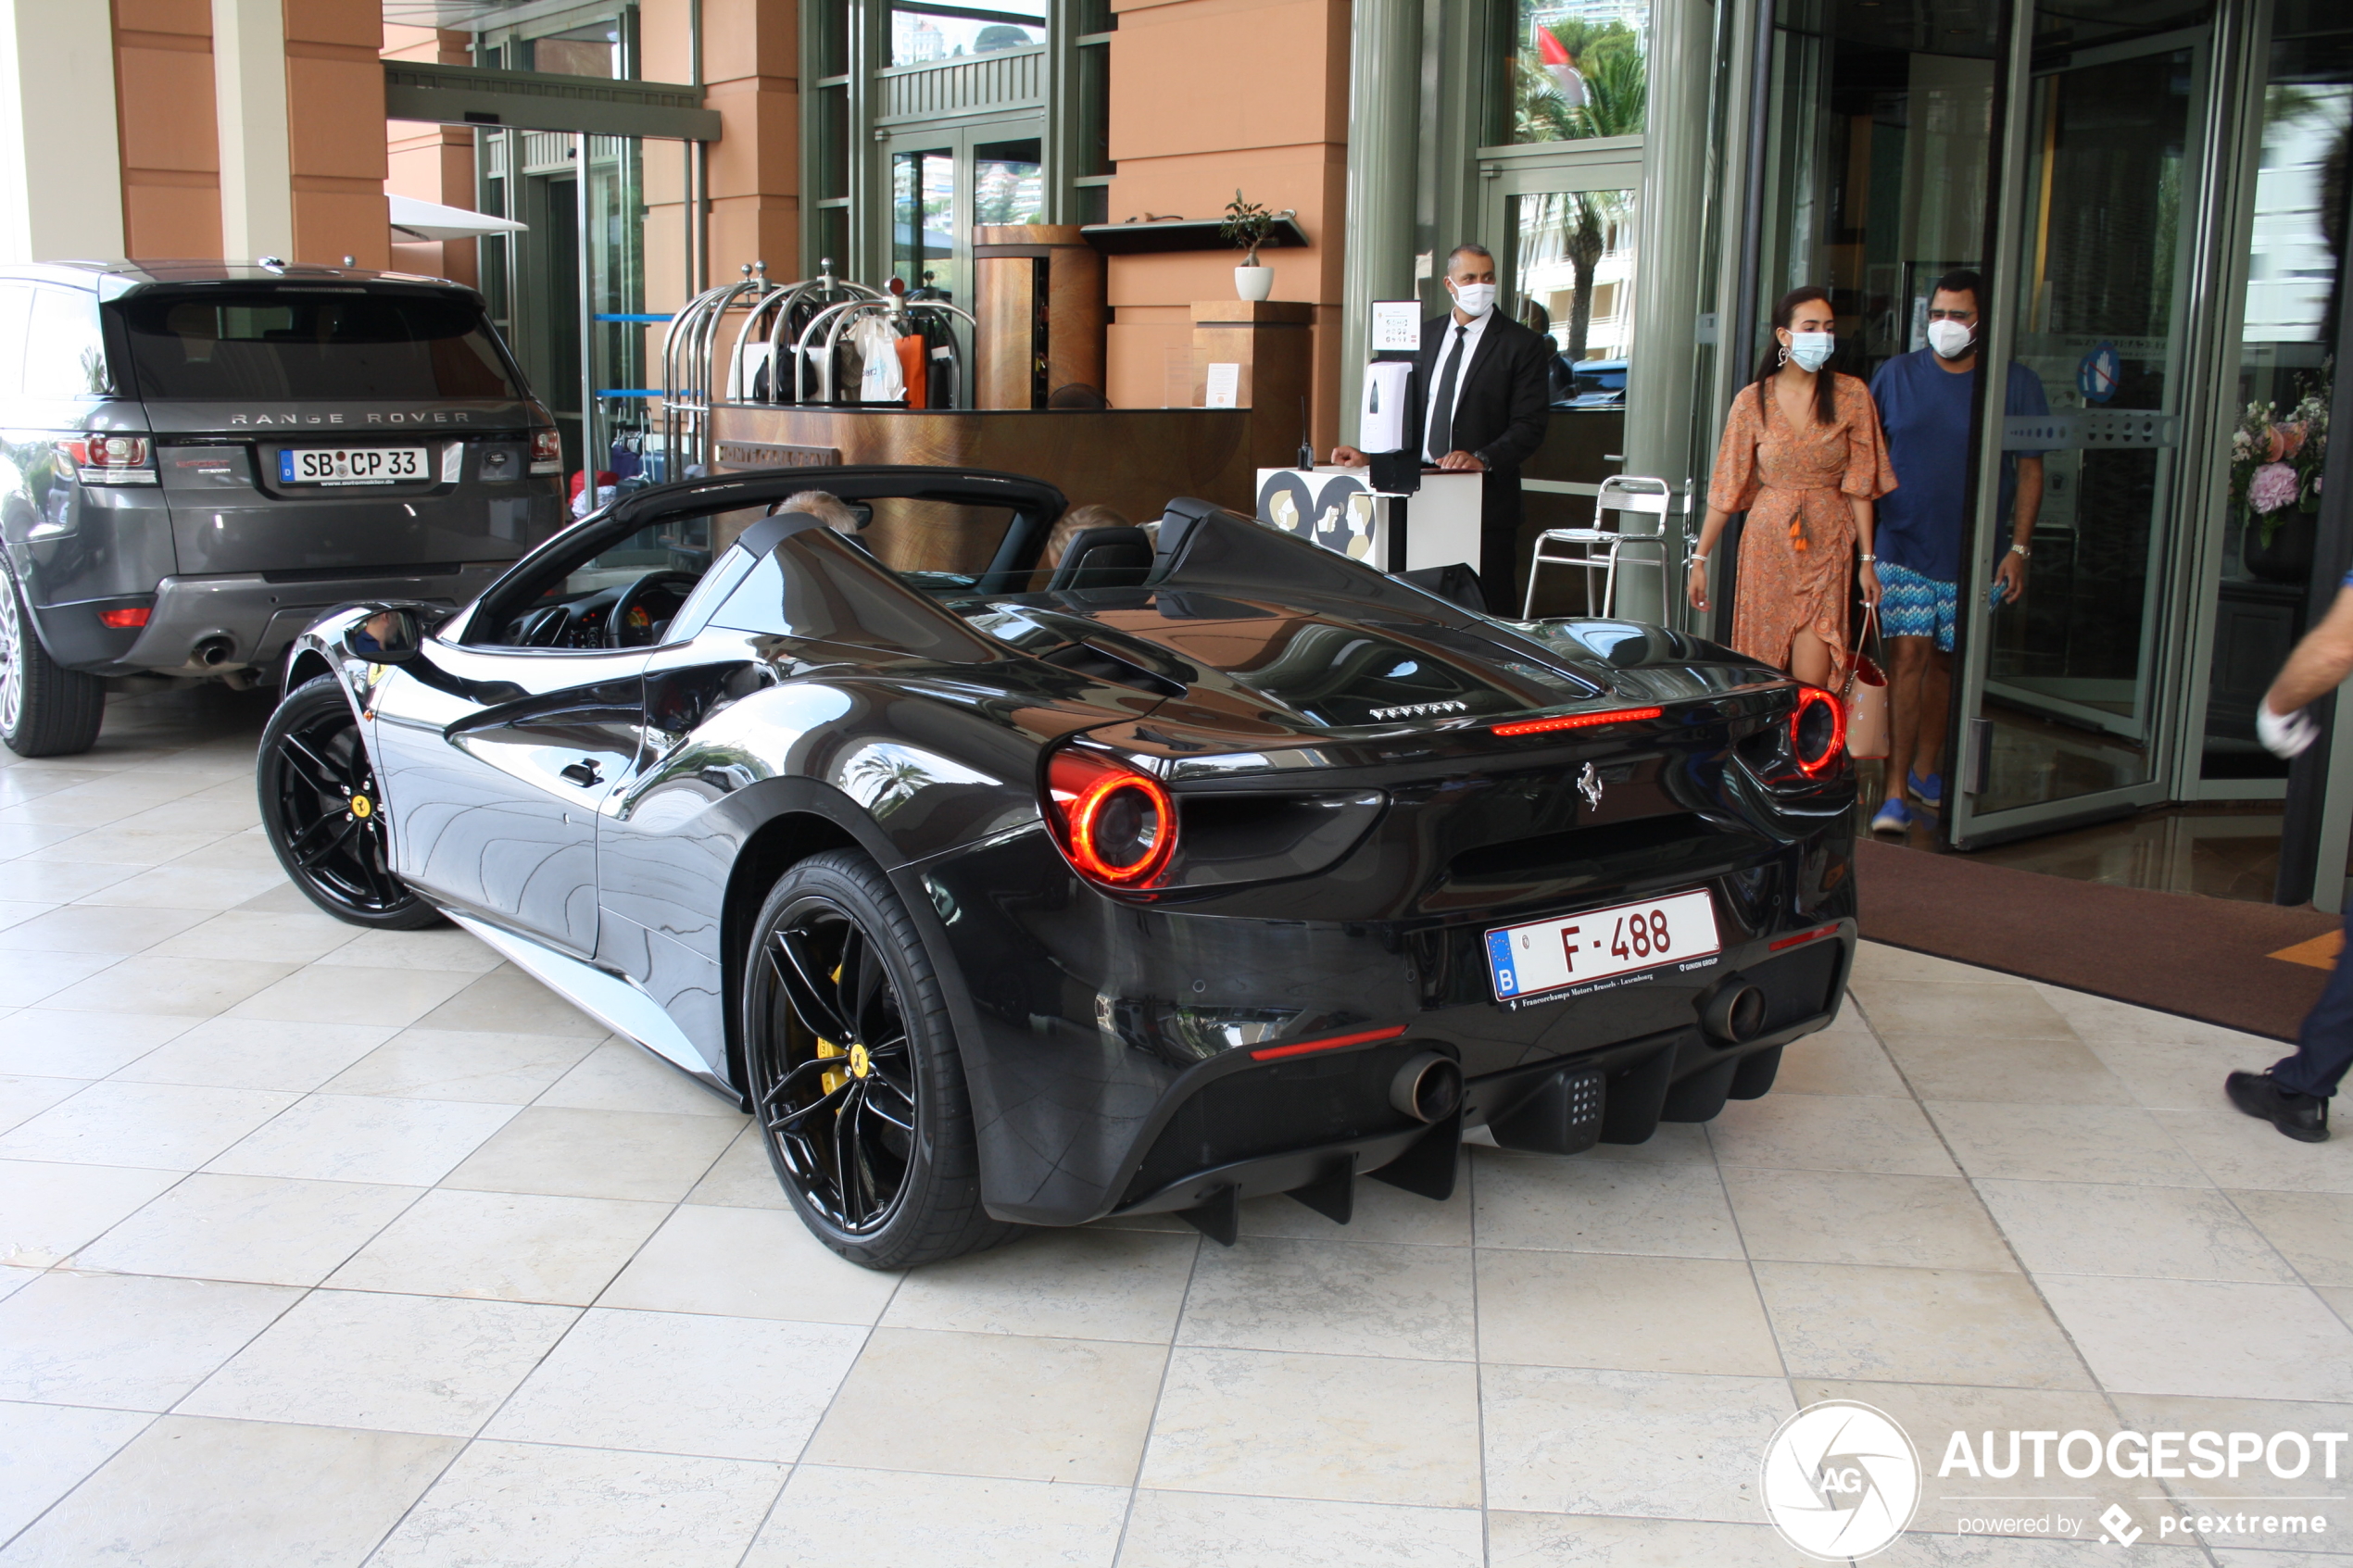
(1617, 98)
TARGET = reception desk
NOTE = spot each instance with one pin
(1337, 508)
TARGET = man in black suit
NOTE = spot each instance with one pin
(1485, 386)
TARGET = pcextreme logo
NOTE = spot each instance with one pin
(1840, 1481)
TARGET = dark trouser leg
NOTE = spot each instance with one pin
(1498, 573)
(2324, 1047)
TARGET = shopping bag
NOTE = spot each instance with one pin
(1864, 693)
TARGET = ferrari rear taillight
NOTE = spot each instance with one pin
(1575, 721)
(1114, 824)
(1816, 731)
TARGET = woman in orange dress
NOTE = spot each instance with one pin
(1803, 455)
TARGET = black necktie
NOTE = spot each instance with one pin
(1441, 410)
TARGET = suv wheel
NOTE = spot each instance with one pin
(852, 1067)
(46, 709)
(324, 815)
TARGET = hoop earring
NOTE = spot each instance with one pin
(1784, 359)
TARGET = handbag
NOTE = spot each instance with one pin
(1864, 693)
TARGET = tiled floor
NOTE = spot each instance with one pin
(332, 1247)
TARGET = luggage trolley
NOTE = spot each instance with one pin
(1598, 548)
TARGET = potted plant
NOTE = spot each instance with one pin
(1245, 228)
(2275, 484)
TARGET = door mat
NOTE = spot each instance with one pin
(2219, 960)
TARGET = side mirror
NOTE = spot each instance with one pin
(385, 636)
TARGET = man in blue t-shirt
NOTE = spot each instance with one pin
(1923, 400)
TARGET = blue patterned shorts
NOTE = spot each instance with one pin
(1914, 606)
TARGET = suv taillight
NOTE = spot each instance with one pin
(110, 459)
(1816, 731)
(1115, 824)
(546, 446)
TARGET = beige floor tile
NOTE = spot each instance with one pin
(16, 912)
(1342, 1428)
(2063, 1143)
(20, 782)
(365, 1138)
(1992, 1009)
(350, 994)
(263, 1229)
(1335, 1297)
(2180, 1076)
(47, 1042)
(1828, 1133)
(47, 1211)
(125, 1341)
(133, 848)
(191, 1492)
(525, 1505)
(293, 937)
(399, 1364)
(188, 815)
(252, 1053)
(61, 882)
(1594, 1204)
(2238, 1151)
(1074, 1283)
(2097, 1018)
(187, 887)
(1838, 1064)
(507, 1247)
(85, 928)
(46, 1449)
(1915, 1325)
(509, 1001)
(2149, 1232)
(1944, 1067)
(442, 947)
(1622, 1313)
(1553, 1540)
(742, 1177)
(1848, 1217)
(687, 1383)
(147, 984)
(441, 1064)
(618, 1075)
(28, 978)
(168, 1127)
(1193, 1529)
(1568, 1440)
(13, 1279)
(283, 899)
(1876, 963)
(994, 1404)
(2204, 1338)
(1382, 1214)
(240, 852)
(594, 1153)
(22, 1098)
(1921, 1550)
(2312, 1230)
(750, 1263)
(828, 1517)
(1683, 1143)
(2254, 1557)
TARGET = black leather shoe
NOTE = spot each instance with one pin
(2302, 1117)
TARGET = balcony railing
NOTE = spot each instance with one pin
(1007, 79)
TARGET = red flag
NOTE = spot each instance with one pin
(1549, 49)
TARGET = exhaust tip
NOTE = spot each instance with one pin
(1737, 1014)
(1428, 1088)
(213, 651)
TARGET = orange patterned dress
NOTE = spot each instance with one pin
(1797, 552)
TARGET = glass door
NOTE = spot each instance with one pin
(2068, 693)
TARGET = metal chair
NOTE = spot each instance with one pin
(1598, 548)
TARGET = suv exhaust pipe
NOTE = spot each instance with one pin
(1428, 1088)
(212, 652)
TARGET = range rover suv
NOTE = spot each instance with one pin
(201, 456)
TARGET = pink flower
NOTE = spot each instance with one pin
(2271, 487)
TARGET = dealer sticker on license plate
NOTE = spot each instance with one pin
(1576, 950)
(351, 465)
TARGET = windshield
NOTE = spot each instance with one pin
(332, 345)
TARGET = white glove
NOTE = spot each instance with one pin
(2285, 735)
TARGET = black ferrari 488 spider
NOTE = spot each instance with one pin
(1202, 865)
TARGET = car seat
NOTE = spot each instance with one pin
(1104, 557)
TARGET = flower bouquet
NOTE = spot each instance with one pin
(2275, 461)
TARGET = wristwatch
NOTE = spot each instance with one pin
(2021, 552)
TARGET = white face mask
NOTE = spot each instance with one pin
(1811, 351)
(1476, 299)
(1950, 339)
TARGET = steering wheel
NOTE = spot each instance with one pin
(616, 627)
(544, 628)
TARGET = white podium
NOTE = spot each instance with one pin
(1338, 509)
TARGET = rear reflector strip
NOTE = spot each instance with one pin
(1329, 1043)
(1802, 938)
(1576, 721)
(123, 620)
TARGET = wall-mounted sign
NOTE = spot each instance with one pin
(1397, 326)
(773, 455)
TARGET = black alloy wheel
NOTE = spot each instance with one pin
(324, 814)
(853, 1071)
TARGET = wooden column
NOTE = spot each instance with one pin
(1273, 341)
(1039, 299)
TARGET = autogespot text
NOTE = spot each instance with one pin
(2152, 1456)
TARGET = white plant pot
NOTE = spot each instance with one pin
(1253, 282)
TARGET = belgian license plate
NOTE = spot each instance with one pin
(1547, 954)
(352, 465)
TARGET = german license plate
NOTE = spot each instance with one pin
(1547, 954)
(352, 465)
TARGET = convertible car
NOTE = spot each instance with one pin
(1201, 865)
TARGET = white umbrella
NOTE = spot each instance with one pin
(414, 219)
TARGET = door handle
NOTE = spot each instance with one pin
(582, 772)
